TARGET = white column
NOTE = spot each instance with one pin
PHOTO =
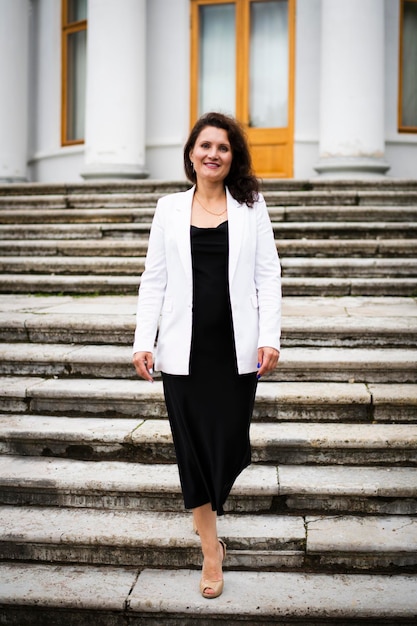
(352, 89)
(115, 98)
(14, 45)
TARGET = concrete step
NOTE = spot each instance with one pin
(93, 229)
(93, 247)
(344, 230)
(70, 215)
(300, 401)
(147, 440)
(341, 267)
(359, 186)
(74, 231)
(303, 247)
(111, 265)
(307, 321)
(133, 266)
(261, 542)
(138, 247)
(79, 595)
(84, 284)
(125, 208)
(337, 331)
(292, 192)
(296, 364)
(343, 213)
(289, 489)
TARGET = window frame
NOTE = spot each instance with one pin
(67, 29)
(401, 127)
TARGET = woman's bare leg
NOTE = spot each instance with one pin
(205, 520)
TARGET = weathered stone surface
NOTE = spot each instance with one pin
(277, 595)
(87, 470)
(65, 586)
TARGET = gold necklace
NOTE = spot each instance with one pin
(211, 212)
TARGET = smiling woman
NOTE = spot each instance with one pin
(212, 283)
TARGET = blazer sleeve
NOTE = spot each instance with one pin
(152, 287)
(268, 280)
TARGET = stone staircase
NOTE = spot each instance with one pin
(321, 528)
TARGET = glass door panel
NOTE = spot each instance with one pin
(217, 59)
(268, 64)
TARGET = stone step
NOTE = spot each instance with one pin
(296, 364)
(301, 401)
(340, 331)
(345, 267)
(383, 185)
(300, 267)
(84, 285)
(289, 489)
(282, 230)
(261, 542)
(331, 286)
(71, 215)
(332, 322)
(144, 440)
(375, 248)
(341, 197)
(122, 187)
(52, 209)
(343, 213)
(112, 265)
(137, 247)
(344, 230)
(275, 192)
(81, 595)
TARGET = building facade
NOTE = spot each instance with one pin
(99, 89)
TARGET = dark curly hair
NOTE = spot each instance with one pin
(241, 181)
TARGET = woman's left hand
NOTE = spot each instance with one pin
(267, 360)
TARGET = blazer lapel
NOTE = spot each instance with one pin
(236, 217)
(182, 222)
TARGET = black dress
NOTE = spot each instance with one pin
(210, 410)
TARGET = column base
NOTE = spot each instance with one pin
(6, 180)
(351, 167)
(110, 171)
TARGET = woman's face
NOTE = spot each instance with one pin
(212, 155)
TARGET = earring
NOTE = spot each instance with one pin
(192, 165)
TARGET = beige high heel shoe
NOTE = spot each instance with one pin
(216, 586)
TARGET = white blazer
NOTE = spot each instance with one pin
(165, 302)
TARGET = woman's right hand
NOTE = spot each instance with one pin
(143, 362)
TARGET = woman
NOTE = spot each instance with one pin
(211, 289)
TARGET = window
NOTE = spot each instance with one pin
(74, 48)
(408, 67)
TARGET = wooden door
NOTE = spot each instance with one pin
(242, 63)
